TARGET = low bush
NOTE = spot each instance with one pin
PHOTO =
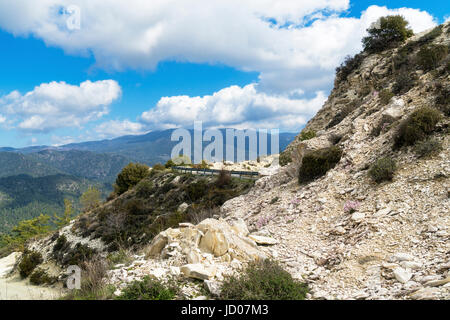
(429, 57)
(383, 169)
(263, 280)
(40, 277)
(316, 163)
(417, 126)
(149, 289)
(130, 176)
(404, 81)
(77, 255)
(427, 148)
(30, 261)
(385, 96)
(307, 134)
(169, 164)
(348, 66)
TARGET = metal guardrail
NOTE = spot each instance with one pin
(206, 172)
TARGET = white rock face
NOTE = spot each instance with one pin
(401, 256)
(358, 216)
(198, 271)
(7, 263)
(263, 240)
(402, 275)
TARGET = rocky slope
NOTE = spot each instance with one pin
(345, 235)
(396, 245)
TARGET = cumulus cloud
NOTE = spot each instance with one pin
(295, 45)
(234, 107)
(58, 104)
(292, 43)
(116, 128)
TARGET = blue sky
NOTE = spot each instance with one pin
(223, 80)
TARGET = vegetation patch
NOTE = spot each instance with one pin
(387, 33)
(349, 65)
(404, 81)
(40, 277)
(417, 126)
(429, 57)
(383, 170)
(149, 289)
(385, 96)
(130, 176)
(30, 260)
(263, 280)
(134, 218)
(307, 135)
(316, 163)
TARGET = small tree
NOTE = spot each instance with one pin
(64, 220)
(385, 33)
(25, 230)
(90, 199)
(130, 176)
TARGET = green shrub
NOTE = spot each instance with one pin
(316, 163)
(130, 176)
(427, 147)
(40, 277)
(404, 81)
(144, 188)
(348, 66)
(148, 289)
(61, 243)
(196, 190)
(307, 134)
(264, 280)
(388, 32)
(383, 169)
(429, 57)
(385, 96)
(285, 158)
(169, 164)
(417, 126)
(30, 261)
(158, 167)
(77, 255)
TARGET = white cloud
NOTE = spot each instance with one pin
(295, 45)
(115, 128)
(58, 104)
(234, 107)
(139, 34)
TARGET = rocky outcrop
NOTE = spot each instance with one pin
(207, 251)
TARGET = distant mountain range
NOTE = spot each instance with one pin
(150, 148)
(37, 179)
